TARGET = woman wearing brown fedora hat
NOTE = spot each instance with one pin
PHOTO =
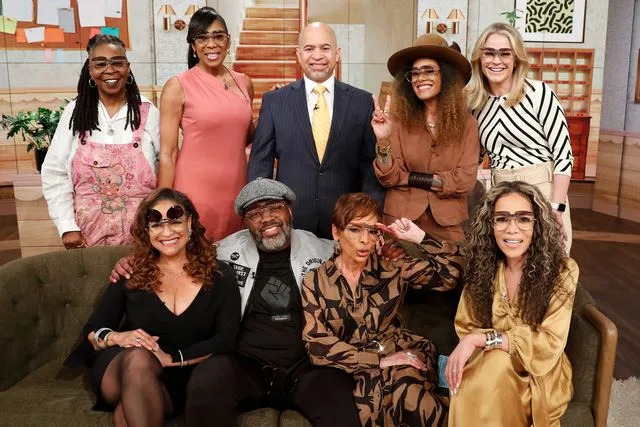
(521, 121)
(427, 142)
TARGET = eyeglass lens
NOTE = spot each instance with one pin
(492, 53)
(118, 63)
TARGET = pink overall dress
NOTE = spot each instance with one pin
(109, 182)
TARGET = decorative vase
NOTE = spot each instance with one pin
(40, 155)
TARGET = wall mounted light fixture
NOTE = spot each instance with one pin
(429, 15)
(166, 10)
(455, 16)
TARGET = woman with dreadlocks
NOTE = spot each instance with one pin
(509, 368)
(102, 159)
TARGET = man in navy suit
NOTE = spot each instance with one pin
(318, 176)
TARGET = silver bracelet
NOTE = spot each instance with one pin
(493, 340)
(106, 338)
(181, 359)
(96, 334)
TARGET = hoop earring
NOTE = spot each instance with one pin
(130, 79)
(92, 85)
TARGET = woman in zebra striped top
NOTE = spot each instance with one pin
(521, 123)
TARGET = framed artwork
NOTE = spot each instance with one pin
(551, 20)
(637, 97)
(447, 18)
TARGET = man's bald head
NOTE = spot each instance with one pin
(318, 51)
(318, 26)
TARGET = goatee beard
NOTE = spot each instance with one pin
(274, 243)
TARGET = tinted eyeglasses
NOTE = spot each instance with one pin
(257, 214)
(504, 54)
(175, 218)
(524, 220)
(100, 63)
(356, 231)
(219, 38)
(413, 74)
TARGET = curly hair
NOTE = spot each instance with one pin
(545, 258)
(452, 108)
(201, 254)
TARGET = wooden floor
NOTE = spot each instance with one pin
(609, 270)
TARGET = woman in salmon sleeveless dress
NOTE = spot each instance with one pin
(212, 106)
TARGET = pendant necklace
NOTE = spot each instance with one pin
(110, 130)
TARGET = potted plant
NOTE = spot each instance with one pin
(35, 127)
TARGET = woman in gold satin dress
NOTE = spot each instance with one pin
(509, 368)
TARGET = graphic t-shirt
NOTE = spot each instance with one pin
(272, 327)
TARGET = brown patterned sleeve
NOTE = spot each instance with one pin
(440, 260)
(323, 347)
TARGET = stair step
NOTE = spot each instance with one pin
(269, 37)
(272, 12)
(265, 52)
(271, 24)
(267, 69)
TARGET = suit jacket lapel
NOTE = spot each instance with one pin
(340, 107)
(299, 98)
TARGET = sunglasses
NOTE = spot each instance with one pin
(155, 222)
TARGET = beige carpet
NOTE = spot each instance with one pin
(624, 407)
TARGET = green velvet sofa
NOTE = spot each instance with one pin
(45, 300)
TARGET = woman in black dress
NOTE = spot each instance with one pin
(180, 306)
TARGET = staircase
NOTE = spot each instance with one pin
(266, 51)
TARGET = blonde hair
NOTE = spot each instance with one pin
(478, 87)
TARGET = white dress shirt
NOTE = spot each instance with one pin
(312, 98)
(57, 185)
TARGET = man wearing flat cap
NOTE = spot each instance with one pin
(270, 366)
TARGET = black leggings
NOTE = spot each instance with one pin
(222, 386)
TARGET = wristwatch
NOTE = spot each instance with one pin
(560, 207)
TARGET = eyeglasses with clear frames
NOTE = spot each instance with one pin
(523, 219)
(100, 63)
(219, 38)
(504, 54)
(414, 74)
(356, 231)
(257, 214)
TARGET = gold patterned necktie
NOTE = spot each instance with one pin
(320, 126)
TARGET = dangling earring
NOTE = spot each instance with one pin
(92, 85)
(130, 79)
(190, 233)
(194, 55)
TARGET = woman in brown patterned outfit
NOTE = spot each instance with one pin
(352, 305)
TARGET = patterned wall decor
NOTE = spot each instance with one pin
(445, 17)
(551, 20)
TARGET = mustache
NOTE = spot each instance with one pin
(272, 223)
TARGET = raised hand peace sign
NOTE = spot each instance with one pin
(381, 121)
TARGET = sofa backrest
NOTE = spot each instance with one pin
(45, 301)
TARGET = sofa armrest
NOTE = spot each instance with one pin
(606, 361)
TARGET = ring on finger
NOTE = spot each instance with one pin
(137, 339)
(411, 355)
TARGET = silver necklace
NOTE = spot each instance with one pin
(110, 130)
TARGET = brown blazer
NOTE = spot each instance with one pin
(414, 150)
